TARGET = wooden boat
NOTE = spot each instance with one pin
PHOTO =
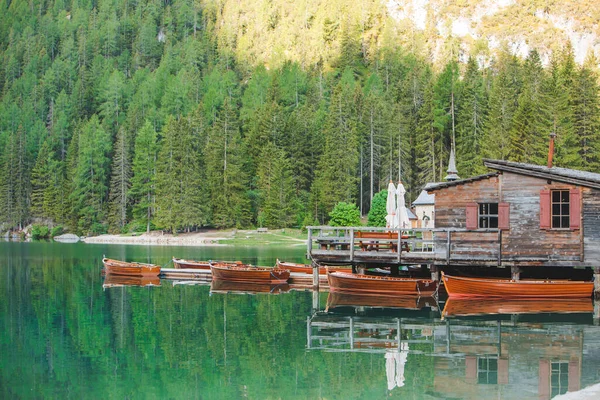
(248, 273)
(409, 302)
(345, 282)
(473, 307)
(193, 264)
(112, 280)
(306, 268)
(117, 267)
(221, 286)
(458, 287)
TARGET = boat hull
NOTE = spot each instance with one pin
(249, 274)
(117, 267)
(305, 268)
(344, 282)
(193, 264)
(461, 287)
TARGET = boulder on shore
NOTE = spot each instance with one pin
(67, 238)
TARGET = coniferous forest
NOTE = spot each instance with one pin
(131, 115)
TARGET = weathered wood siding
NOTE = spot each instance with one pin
(451, 203)
(591, 226)
(525, 239)
(524, 242)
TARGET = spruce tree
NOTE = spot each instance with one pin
(142, 189)
(276, 186)
(91, 177)
(119, 183)
(226, 178)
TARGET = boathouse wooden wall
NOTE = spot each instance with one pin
(524, 243)
(591, 226)
(525, 239)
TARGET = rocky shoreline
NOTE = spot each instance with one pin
(159, 239)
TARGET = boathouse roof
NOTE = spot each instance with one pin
(436, 186)
(424, 198)
(565, 175)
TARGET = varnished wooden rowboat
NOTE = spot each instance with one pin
(117, 267)
(409, 302)
(345, 282)
(306, 268)
(474, 307)
(248, 273)
(221, 286)
(112, 280)
(193, 264)
(462, 287)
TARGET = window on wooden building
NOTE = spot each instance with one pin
(488, 215)
(561, 209)
(487, 370)
(559, 378)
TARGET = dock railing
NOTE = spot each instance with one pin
(438, 245)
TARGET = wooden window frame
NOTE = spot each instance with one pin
(489, 217)
(564, 199)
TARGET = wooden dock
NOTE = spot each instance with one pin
(431, 247)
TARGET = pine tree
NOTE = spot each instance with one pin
(276, 187)
(91, 177)
(227, 180)
(119, 183)
(470, 121)
(504, 92)
(142, 189)
(40, 181)
(586, 106)
(335, 178)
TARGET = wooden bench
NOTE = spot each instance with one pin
(380, 241)
(332, 244)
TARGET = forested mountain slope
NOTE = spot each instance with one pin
(126, 115)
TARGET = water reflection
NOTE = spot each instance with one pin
(224, 286)
(476, 353)
(482, 307)
(111, 281)
(64, 336)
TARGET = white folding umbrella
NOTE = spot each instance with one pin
(390, 370)
(400, 362)
(390, 206)
(401, 213)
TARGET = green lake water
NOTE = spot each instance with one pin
(62, 335)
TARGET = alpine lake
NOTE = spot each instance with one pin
(64, 335)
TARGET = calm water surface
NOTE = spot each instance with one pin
(64, 336)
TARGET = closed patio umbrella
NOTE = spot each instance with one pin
(401, 212)
(390, 206)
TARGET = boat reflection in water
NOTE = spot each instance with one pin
(336, 300)
(224, 286)
(111, 280)
(525, 349)
(483, 307)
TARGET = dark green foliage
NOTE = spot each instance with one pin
(168, 114)
(344, 214)
(40, 232)
(57, 231)
(378, 211)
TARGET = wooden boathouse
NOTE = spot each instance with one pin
(520, 217)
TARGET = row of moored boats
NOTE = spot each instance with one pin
(341, 280)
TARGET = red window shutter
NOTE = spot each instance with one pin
(503, 216)
(575, 208)
(545, 209)
(472, 214)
